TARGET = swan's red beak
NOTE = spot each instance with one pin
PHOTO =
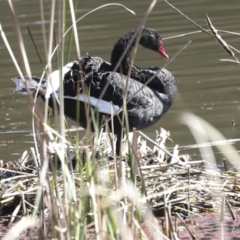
(161, 50)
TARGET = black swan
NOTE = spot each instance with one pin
(103, 88)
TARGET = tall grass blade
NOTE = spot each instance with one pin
(204, 132)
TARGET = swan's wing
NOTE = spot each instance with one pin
(81, 72)
(54, 84)
(144, 105)
(110, 86)
(101, 105)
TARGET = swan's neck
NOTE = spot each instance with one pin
(137, 73)
(129, 41)
(163, 82)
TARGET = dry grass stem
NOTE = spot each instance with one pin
(212, 32)
(160, 179)
(219, 39)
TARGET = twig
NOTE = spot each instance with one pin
(217, 143)
(146, 137)
(222, 209)
(202, 29)
(171, 230)
(15, 212)
(17, 172)
(189, 19)
(193, 237)
(219, 39)
(35, 45)
(230, 209)
(228, 60)
(23, 204)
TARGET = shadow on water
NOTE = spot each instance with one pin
(207, 87)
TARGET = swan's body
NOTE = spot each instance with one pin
(90, 81)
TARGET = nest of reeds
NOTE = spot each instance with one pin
(164, 177)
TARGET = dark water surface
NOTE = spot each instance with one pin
(207, 87)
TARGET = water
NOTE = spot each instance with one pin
(207, 87)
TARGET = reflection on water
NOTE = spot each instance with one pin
(209, 226)
(207, 87)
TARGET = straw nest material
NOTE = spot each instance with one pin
(164, 177)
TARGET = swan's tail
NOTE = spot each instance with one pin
(31, 86)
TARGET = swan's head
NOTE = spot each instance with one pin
(152, 40)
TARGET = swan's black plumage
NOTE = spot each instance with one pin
(96, 77)
(149, 39)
